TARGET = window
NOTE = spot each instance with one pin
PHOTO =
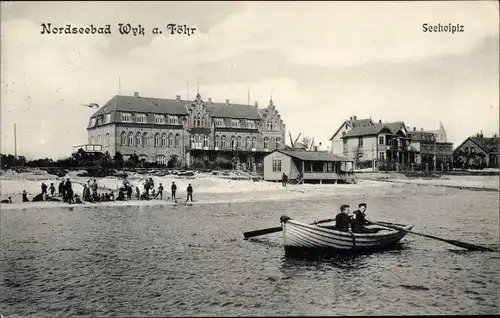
(160, 159)
(329, 167)
(163, 140)
(173, 120)
(219, 122)
(170, 140)
(145, 139)
(197, 121)
(276, 165)
(250, 124)
(177, 140)
(232, 142)
(238, 142)
(278, 143)
(254, 143)
(247, 143)
(472, 150)
(126, 117)
(157, 140)
(360, 141)
(235, 123)
(98, 139)
(381, 156)
(343, 133)
(138, 139)
(223, 142)
(130, 139)
(140, 118)
(123, 139)
(92, 122)
(106, 139)
(205, 141)
(266, 143)
(269, 126)
(346, 127)
(466, 149)
(159, 119)
(107, 118)
(217, 141)
(381, 140)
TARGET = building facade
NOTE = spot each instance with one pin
(194, 131)
(432, 149)
(337, 144)
(478, 152)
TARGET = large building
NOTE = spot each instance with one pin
(193, 130)
(385, 145)
(478, 151)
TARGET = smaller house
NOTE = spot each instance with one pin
(478, 151)
(306, 166)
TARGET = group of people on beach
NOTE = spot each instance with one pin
(48, 193)
(355, 222)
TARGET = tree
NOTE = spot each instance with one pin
(172, 161)
(358, 154)
(118, 160)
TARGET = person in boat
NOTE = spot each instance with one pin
(173, 189)
(25, 196)
(44, 188)
(359, 221)
(284, 179)
(52, 189)
(189, 193)
(343, 219)
(8, 200)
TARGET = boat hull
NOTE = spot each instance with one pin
(300, 237)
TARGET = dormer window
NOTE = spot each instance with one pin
(107, 118)
(219, 122)
(235, 123)
(159, 119)
(250, 124)
(140, 118)
(92, 122)
(173, 120)
(126, 117)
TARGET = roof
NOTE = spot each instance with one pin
(175, 107)
(312, 155)
(374, 129)
(490, 144)
(421, 135)
(353, 123)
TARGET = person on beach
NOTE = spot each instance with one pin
(25, 196)
(94, 188)
(359, 221)
(343, 220)
(129, 191)
(146, 186)
(189, 193)
(44, 188)
(173, 189)
(77, 199)
(38, 198)
(69, 191)
(160, 192)
(52, 189)
(61, 188)
(284, 179)
(9, 200)
(121, 195)
(153, 194)
(137, 193)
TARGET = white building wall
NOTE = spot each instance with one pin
(369, 148)
(287, 167)
(337, 147)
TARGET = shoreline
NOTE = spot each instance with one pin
(470, 188)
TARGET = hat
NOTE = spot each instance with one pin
(343, 206)
(362, 204)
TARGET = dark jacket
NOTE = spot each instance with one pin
(174, 188)
(342, 221)
(189, 189)
(359, 220)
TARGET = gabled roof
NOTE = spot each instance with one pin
(353, 123)
(176, 107)
(421, 135)
(487, 144)
(313, 155)
(375, 129)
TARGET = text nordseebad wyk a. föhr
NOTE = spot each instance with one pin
(120, 28)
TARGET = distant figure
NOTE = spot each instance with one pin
(77, 199)
(343, 220)
(37, 198)
(9, 200)
(189, 193)
(52, 199)
(121, 195)
(359, 221)
(129, 191)
(61, 188)
(160, 192)
(44, 188)
(52, 189)
(94, 188)
(284, 179)
(137, 193)
(25, 196)
(173, 189)
(151, 183)
(69, 192)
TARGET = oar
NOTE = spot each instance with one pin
(468, 246)
(276, 229)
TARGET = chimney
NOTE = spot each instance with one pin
(227, 102)
(136, 94)
(256, 104)
(414, 128)
(210, 100)
(354, 117)
(178, 97)
(380, 121)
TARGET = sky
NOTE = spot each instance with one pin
(323, 62)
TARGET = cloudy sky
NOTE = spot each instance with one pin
(324, 62)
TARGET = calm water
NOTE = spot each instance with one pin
(187, 261)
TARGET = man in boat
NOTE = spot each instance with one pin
(343, 219)
(359, 221)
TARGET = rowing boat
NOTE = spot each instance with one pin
(302, 237)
